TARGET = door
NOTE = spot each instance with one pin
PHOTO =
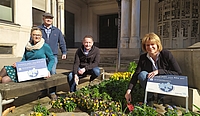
(69, 29)
(108, 31)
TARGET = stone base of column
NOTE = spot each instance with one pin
(134, 42)
(124, 42)
(134, 53)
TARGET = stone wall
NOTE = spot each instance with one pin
(189, 60)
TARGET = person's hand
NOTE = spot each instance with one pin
(128, 96)
(76, 79)
(64, 56)
(152, 74)
(14, 65)
(81, 71)
(49, 75)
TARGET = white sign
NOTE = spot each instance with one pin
(168, 84)
(32, 69)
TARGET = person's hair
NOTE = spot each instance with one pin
(88, 36)
(35, 28)
(153, 38)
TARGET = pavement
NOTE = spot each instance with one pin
(24, 105)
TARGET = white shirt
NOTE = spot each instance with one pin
(154, 66)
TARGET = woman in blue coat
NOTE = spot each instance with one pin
(36, 48)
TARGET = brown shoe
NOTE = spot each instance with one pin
(53, 97)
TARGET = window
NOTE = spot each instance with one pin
(37, 16)
(7, 7)
(6, 49)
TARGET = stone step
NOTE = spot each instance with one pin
(108, 59)
(102, 51)
(108, 62)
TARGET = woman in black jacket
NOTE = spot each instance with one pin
(155, 61)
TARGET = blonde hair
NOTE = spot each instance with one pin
(153, 38)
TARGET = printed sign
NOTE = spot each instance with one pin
(32, 69)
(168, 84)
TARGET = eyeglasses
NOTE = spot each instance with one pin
(37, 35)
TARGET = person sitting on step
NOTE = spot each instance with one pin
(86, 62)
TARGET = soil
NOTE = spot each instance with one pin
(56, 110)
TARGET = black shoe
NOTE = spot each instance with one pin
(150, 97)
(160, 99)
(150, 100)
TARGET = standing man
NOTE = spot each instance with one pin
(86, 62)
(54, 37)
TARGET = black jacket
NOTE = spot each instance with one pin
(167, 65)
(89, 61)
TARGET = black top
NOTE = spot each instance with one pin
(166, 63)
(89, 61)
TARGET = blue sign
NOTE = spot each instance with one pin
(31, 69)
(168, 84)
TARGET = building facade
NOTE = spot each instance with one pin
(101, 19)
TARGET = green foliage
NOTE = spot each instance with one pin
(171, 112)
(132, 67)
(67, 103)
(91, 100)
(191, 113)
(143, 110)
(107, 98)
(114, 89)
(41, 109)
(196, 107)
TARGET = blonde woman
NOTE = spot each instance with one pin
(155, 61)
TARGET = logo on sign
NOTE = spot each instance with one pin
(33, 72)
(166, 87)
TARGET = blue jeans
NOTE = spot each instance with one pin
(142, 77)
(95, 72)
(53, 71)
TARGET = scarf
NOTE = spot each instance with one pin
(30, 47)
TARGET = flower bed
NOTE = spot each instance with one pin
(107, 99)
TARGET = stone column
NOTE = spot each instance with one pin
(48, 6)
(135, 25)
(54, 12)
(61, 17)
(125, 22)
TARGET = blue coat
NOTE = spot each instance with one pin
(43, 52)
(55, 38)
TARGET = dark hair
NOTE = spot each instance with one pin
(88, 36)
